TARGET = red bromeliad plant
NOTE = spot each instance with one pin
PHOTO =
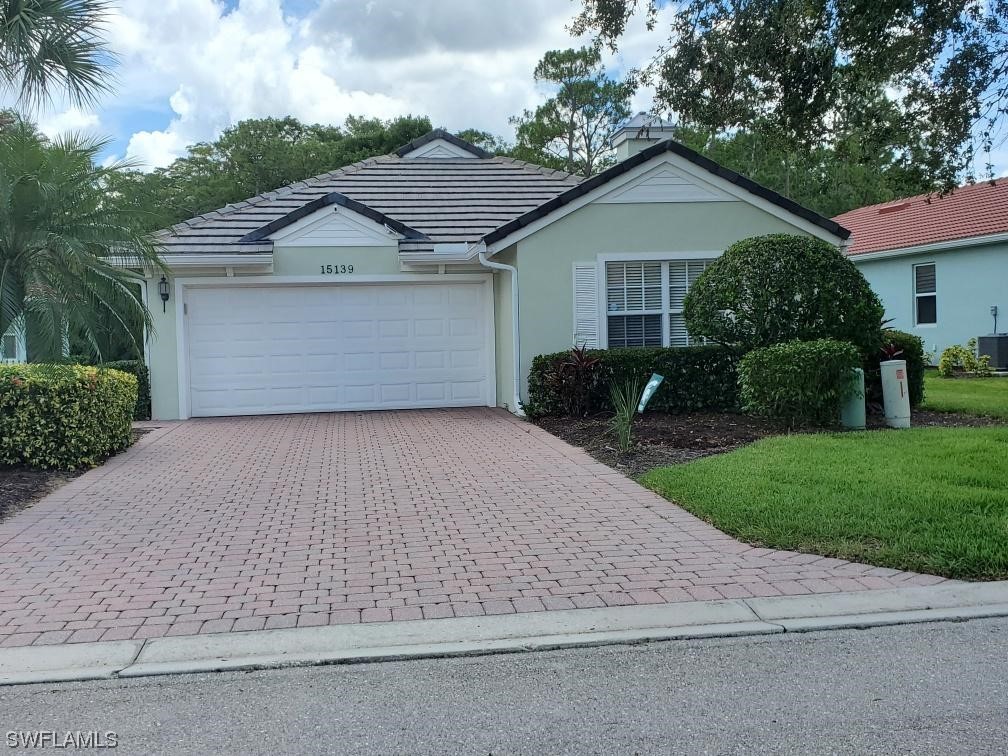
(891, 351)
(573, 377)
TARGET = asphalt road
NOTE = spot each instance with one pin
(936, 688)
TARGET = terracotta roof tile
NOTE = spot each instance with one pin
(972, 210)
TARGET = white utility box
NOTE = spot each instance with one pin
(895, 393)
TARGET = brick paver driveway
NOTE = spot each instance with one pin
(233, 524)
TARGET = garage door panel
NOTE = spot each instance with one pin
(320, 348)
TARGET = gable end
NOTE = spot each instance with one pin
(664, 183)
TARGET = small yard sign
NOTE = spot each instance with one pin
(649, 390)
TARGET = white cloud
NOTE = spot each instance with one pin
(463, 63)
(216, 67)
(72, 119)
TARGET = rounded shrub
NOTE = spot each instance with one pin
(64, 416)
(771, 289)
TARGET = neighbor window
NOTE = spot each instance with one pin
(925, 297)
(8, 347)
(644, 302)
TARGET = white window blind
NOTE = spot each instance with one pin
(644, 301)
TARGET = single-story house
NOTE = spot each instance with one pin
(939, 264)
(433, 276)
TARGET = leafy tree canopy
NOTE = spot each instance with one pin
(800, 72)
(830, 178)
(572, 129)
(254, 156)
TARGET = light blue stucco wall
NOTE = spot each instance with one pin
(968, 281)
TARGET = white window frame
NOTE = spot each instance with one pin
(662, 257)
(17, 331)
(916, 295)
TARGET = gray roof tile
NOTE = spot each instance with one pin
(449, 200)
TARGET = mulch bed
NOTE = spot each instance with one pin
(21, 486)
(662, 439)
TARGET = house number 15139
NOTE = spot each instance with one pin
(332, 270)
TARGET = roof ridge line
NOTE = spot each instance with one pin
(536, 168)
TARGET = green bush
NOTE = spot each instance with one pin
(798, 382)
(897, 345)
(64, 416)
(696, 378)
(137, 369)
(772, 289)
(965, 359)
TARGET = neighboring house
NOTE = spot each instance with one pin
(939, 264)
(12, 345)
(433, 276)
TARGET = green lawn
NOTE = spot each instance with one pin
(972, 396)
(929, 499)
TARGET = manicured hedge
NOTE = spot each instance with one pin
(138, 369)
(798, 382)
(696, 378)
(912, 349)
(64, 416)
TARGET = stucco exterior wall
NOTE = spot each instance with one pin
(306, 261)
(546, 258)
(968, 281)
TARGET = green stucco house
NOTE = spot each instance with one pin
(938, 263)
(431, 277)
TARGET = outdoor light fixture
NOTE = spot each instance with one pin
(163, 291)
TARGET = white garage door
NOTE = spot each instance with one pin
(341, 347)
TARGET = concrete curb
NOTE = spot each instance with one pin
(469, 636)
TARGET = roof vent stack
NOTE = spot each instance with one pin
(639, 133)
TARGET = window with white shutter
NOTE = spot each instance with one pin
(644, 301)
(586, 325)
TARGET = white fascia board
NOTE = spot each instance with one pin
(923, 249)
(441, 253)
(196, 260)
(686, 167)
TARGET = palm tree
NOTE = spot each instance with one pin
(49, 45)
(68, 254)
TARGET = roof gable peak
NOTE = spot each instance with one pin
(440, 144)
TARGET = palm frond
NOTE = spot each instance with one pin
(69, 253)
(55, 45)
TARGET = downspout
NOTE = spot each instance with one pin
(515, 329)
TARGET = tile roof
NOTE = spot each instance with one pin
(448, 200)
(970, 211)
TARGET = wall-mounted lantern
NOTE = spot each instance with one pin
(163, 291)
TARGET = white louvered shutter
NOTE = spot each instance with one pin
(586, 320)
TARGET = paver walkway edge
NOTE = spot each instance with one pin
(499, 634)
